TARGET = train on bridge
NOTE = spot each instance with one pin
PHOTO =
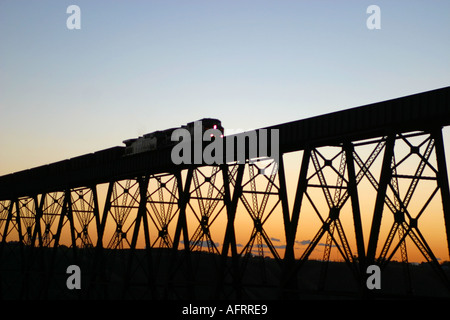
(99, 163)
(158, 140)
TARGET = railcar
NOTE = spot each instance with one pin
(158, 140)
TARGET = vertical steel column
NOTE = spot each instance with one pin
(98, 273)
(141, 216)
(50, 270)
(103, 219)
(288, 277)
(289, 250)
(26, 281)
(71, 223)
(284, 202)
(353, 192)
(39, 213)
(19, 225)
(96, 209)
(22, 264)
(183, 200)
(230, 236)
(5, 230)
(184, 195)
(21, 245)
(302, 184)
(97, 218)
(148, 245)
(442, 179)
(385, 177)
(2, 245)
(143, 185)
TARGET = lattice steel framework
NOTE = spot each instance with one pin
(182, 234)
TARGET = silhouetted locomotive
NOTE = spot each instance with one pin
(162, 139)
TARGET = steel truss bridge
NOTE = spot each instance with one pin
(140, 227)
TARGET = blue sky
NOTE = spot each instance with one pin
(139, 66)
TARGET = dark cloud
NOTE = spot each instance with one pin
(281, 246)
(255, 247)
(303, 242)
(201, 243)
(306, 242)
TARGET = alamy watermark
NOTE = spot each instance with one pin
(73, 282)
(251, 145)
(74, 20)
(374, 20)
(374, 280)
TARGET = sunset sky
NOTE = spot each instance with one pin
(139, 66)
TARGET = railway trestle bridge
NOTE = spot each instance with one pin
(373, 178)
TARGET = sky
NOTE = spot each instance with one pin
(139, 66)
